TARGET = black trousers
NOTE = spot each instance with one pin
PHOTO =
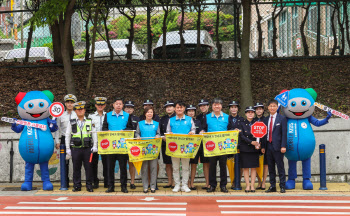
(94, 167)
(111, 159)
(105, 169)
(81, 156)
(63, 141)
(223, 170)
(275, 158)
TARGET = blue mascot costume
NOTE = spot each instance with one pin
(36, 145)
(301, 139)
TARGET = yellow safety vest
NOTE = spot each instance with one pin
(81, 138)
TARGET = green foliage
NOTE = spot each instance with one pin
(118, 28)
(49, 12)
(82, 55)
(2, 35)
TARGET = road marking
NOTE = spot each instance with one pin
(104, 203)
(97, 208)
(283, 201)
(284, 206)
(87, 213)
(61, 199)
(286, 212)
(149, 199)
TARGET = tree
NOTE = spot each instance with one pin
(258, 24)
(245, 75)
(199, 8)
(85, 14)
(302, 32)
(181, 30)
(274, 17)
(167, 8)
(58, 14)
(104, 11)
(218, 45)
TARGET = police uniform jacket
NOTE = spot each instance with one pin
(76, 122)
(134, 121)
(198, 125)
(62, 123)
(163, 125)
(234, 122)
(259, 119)
(97, 120)
(246, 137)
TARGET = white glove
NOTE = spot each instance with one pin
(68, 154)
(94, 149)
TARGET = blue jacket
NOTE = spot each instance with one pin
(279, 133)
(116, 123)
(147, 130)
(213, 124)
(181, 126)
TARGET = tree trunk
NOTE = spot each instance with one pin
(245, 81)
(258, 24)
(198, 48)
(87, 39)
(218, 45)
(56, 43)
(111, 51)
(342, 32)
(302, 32)
(29, 42)
(65, 47)
(335, 43)
(274, 34)
(182, 40)
(238, 28)
(131, 38)
(164, 28)
(347, 23)
(93, 46)
(70, 44)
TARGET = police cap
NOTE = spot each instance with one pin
(79, 105)
(100, 100)
(203, 102)
(249, 108)
(258, 104)
(70, 97)
(191, 107)
(233, 103)
(169, 103)
(129, 104)
(148, 102)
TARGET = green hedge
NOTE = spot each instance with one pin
(118, 28)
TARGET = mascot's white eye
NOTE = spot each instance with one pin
(31, 106)
(41, 104)
(293, 104)
(303, 103)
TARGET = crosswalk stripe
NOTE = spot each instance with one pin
(285, 212)
(104, 203)
(284, 206)
(88, 213)
(96, 208)
(283, 201)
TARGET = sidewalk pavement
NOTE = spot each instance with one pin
(14, 189)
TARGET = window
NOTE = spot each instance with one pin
(283, 40)
(295, 23)
(312, 19)
(269, 33)
(329, 12)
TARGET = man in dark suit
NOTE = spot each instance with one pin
(275, 142)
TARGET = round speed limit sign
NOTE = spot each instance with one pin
(56, 109)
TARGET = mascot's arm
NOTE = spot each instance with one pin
(54, 126)
(17, 128)
(319, 123)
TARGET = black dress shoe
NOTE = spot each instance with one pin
(132, 186)
(205, 188)
(283, 190)
(193, 188)
(110, 190)
(124, 190)
(271, 189)
(167, 186)
(89, 189)
(145, 191)
(259, 188)
(247, 191)
(96, 186)
(252, 191)
(224, 189)
(153, 191)
(76, 189)
(211, 189)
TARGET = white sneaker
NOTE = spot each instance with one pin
(185, 189)
(176, 188)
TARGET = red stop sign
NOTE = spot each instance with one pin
(210, 146)
(172, 146)
(104, 143)
(258, 129)
(135, 151)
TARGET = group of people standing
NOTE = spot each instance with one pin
(78, 134)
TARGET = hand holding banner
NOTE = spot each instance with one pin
(141, 150)
(113, 142)
(182, 146)
(220, 143)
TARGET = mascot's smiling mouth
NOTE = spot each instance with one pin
(36, 115)
(298, 113)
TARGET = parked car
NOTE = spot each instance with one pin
(36, 54)
(120, 50)
(173, 46)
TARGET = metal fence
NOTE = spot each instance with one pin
(203, 30)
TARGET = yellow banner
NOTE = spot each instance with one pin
(113, 142)
(182, 146)
(220, 143)
(142, 150)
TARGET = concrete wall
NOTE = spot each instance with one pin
(336, 136)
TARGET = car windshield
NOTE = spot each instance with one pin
(116, 44)
(21, 53)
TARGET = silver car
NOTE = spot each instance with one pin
(36, 54)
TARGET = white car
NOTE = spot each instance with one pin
(36, 54)
(119, 48)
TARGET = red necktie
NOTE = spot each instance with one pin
(270, 129)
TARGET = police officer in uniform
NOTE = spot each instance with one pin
(170, 112)
(129, 108)
(117, 120)
(149, 103)
(191, 112)
(259, 111)
(204, 107)
(62, 123)
(81, 142)
(234, 118)
(97, 121)
(216, 121)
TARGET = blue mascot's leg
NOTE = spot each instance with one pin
(45, 176)
(292, 174)
(28, 178)
(307, 185)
